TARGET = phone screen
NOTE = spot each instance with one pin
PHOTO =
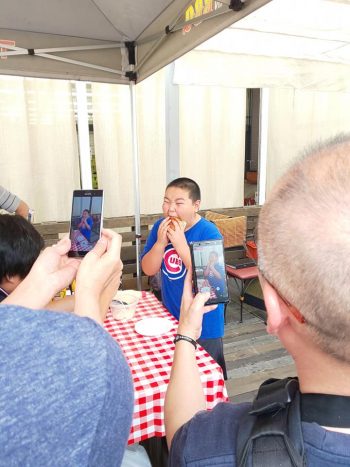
(209, 272)
(86, 221)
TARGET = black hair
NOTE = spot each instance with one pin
(189, 185)
(20, 245)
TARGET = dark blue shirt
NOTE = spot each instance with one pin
(209, 440)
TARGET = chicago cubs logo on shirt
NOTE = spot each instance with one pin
(172, 264)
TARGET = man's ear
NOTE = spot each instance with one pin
(276, 314)
(197, 204)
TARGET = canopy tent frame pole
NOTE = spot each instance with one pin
(46, 53)
(135, 153)
(172, 122)
(263, 142)
(83, 136)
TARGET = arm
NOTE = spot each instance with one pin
(22, 209)
(63, 304)
(97, 280)
(51, 272)
(88, 223)
(207, 270)
(12, 203)
(98, 277)
(152, 260)
(216, 273)
(184, 396)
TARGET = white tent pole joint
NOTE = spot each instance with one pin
(131, 57)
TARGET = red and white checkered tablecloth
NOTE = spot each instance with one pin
(79, 242)
(150, 360)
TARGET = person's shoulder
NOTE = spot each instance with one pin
(63, 340)
(208, 230)
(51, 326)
(325, 444)
(197, 440)
(157, 222)
(72, 372)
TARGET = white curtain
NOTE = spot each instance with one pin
(39, 152)
(299, 118)
(113, 148)
(212, 142)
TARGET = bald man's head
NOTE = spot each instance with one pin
(304, 242)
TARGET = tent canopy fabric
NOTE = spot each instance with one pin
(288, 43)
(94, 40)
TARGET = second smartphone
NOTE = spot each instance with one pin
(86, 221)
(209, 272)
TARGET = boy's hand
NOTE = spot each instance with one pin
(98, 277)
(162, 238)
(176, 235)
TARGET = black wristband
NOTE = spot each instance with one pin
(180, 337)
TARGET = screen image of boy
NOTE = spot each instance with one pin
(86, 220)
(210, 270)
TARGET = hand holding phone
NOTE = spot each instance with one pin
(209, 272)
(86, 221)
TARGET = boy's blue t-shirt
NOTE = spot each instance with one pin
(217, 284)
(173, 273)
(86, 232)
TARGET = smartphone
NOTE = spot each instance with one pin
(209, 271)
(86, 221)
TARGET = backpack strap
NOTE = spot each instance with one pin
(270, 434)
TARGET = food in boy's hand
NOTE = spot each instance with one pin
(179, 221)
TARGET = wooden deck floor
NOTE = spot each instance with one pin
(251, 354)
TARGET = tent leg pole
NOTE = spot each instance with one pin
(135, 151)
(263, 142)
(83, 136)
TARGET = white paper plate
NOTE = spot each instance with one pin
(153, 326)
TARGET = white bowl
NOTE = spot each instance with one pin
(124, 304)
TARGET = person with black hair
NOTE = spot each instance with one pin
(66, 392)
(20, 245)
(167, 250)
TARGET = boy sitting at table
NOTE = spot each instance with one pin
(167, 250)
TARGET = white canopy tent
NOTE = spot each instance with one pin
(298, 53)
(108, 41)
(287, 43)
